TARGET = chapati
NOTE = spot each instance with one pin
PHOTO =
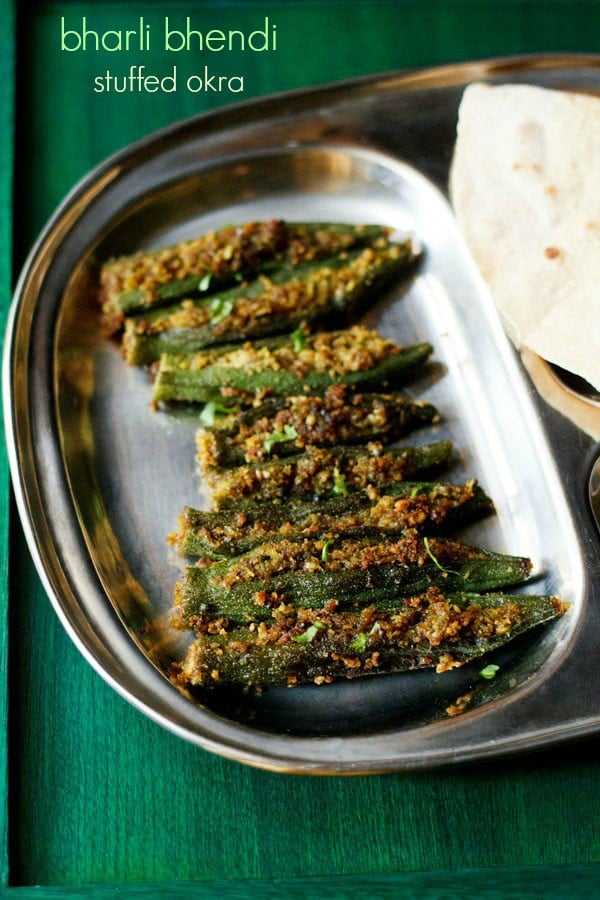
(525, 186)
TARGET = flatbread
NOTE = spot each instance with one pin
(525, 186)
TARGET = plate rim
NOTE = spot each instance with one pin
(408, 79)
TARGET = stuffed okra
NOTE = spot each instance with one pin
(279, 300)
(131, 284)
(385, 512)
(356, 356)
(431, 630)
(285, 426)
(321, 472)
(309, 573)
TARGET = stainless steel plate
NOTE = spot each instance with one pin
(100, 479)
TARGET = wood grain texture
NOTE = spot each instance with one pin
(101, 795)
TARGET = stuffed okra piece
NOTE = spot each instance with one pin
(320, 472)
(431, 630)
(283, 573)
(357, 357)
(385, 512)
(132, 284)
(282, 298)
(285, 426)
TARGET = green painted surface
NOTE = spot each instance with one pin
(574, 882)
(99, 794)
(7, 62)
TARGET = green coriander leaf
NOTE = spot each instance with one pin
(299, 339)
(289, 433)
(238, 277)
(326, 548)
(339, 483)
(436, 561)
(220, 309)
(489, 671)
(416, 490)
(205, 281)
(310, 633)
(212, 410)
(360, 642)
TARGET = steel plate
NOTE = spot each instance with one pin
(100, 478)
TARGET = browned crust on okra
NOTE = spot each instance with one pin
(339, 416)
(276, 557)
(354, 349)
(385, 512)
(429, 618)
(314, 289)
(314, 472)
(411, 512)
(355, 643)
(219, 254)
(213, 251)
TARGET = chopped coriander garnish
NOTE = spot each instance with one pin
(238, 277)
(436, 561)
(299, 339)
(416, 490)
(289, 433)
(310, 633)
(360, 642)
(339, 483)
(204, 283)
(489, 671)
(326, 548)
(212, 410)
(220, 309)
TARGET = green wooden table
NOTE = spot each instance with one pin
(98, 795)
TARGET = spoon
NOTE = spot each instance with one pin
(594, 491)
(581, 388)
(576, 385)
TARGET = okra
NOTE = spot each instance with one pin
(279, 300)
(132, 284)
(386, 512)
(355, 357)
(321, 472)
(285, 426)
(432, 630)
(312, 572)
